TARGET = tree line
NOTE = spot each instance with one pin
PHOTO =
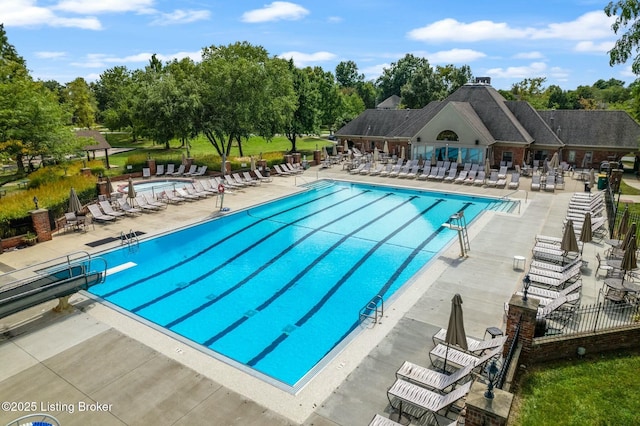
(235, 91)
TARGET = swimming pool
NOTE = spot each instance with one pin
(156, 185)
(277, 288)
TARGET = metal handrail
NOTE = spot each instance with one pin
(373, 309)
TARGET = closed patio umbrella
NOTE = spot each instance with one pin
(459, 156)
(434, 160)
(554, 162)
(402, 153)
(569, 242)
(253, 163)
(345, 148)
(376, 154)
(131, 190)
(325, 153)
(385, 148)
(628, 235)
(455, 330)
(335, 150)
(592, 178)
(629, 261)
(586, 234)
(623, 225)
(109, 185)
(487, 167)
(74, 202)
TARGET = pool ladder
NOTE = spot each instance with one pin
(130, 239)
(373, 310)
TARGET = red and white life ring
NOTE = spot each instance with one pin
(221, 188)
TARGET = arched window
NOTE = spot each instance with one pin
(447, 135)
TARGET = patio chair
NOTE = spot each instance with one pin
(425, 173)
(192, 169)
(502, 173)
(261, 177)
(248, 178)
(152, 201)
(200, 172)
(146, 172)
(535, 183)
(479, 180)
(432, 379)
(108, 210)
(178, 172)
(160, 170)
(170, 169)
(451, 175)
(98, 215)
(127, 208)
(515, 181)
(461, 177)
(379, 420)
(427, 401)
(458, 358)
(144, 205)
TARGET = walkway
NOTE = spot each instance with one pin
(97, 355)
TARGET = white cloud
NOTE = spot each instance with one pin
(452, 30)
(101, 60)
(179, 16)
(276, 11)
(374, 71)
(455, 56)
(595, 25)
(85, 7)
(304, 59)
(535, 69)
(50, 55)
(589, 46)
(25, 13)
(334, 19)
(529, 55)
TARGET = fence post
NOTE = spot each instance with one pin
(522, 312)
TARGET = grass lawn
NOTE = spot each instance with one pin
(597, 390)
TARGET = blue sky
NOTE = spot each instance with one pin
(565, 41)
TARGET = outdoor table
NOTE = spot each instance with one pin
(620, 285)
(613, 242)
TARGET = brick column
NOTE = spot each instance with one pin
(481, 411)
(85, 171)
(316, 157)
(151, 164)
(41, 225)
(524, 313)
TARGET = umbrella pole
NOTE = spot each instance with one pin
(446, 356)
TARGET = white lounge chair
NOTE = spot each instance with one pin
(451, 175)
(141, 201)
(201, 171)
(432, 379)
(151, 201)
(535, 183)
(424, 399)
(515, 181)
(127, 208)
(261, 177)
(493, 179)
(244, 181)
(159, 169)
(461, 177)
(471, 177)
(170, 169)
(146, 172)
(280, 171)
(479, 180)
(170, 197)
(192, 169)
(98, 215)
(425, 173)
(182, 193)
(178, 172)
(108, 210)
(502, 173)
(458, 358)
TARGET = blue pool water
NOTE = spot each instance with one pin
(277, 287)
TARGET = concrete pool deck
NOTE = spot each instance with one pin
(135, 375)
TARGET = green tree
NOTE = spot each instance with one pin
(626, 21)
(423, 86)
(531, 90)
(368, 93)
(347, 74)
(81, 103)
(305, 118)
(331, 106)
(398, 74)
(453, 77)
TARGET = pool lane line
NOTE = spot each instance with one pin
(214, 245)
(313, 310)
(385, 287)
(309, 267)
(242, 252)
(300, 274)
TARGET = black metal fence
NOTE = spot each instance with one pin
(502, 375)
(599, 317)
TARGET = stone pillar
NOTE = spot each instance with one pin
(481, 410)
(187, 163)
(151, 164)
(316, 157)
(296, 157)
(102, 189)
(85, 171)
(522, 312)
(227, 167)
(288, 158)
(41, 225)
(262, 164)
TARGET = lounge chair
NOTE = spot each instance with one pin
(152, 201)
(467, 166)
(160, 170)
(451, 175)
(206, 185)
(170, 169)
(515, 181)
(379, 420)
(550, 184)
(432, 379)
(396, 170)
(546, 296)
(387, 170)
(376, 170)
(502, 173)
(97, 214)
(248, 178)
(243, 180)
(535, 183)
(479, 180)
(146, 172)
(560, 306)
(232, 182)
(290, 167)
(425, 173)
(493, 179)
(424, 399)
(474, 346)
(178, 172)
(471, 177)
(142, 203)
(170, 197)
(191, 190)
(127, 208)
(201, 171)
(261, 177)
(413, 173)
(192, 169)
(281, 172)
(458, 358)
(71, 221)
(461, 177)
(183, 193)
(108, 210)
